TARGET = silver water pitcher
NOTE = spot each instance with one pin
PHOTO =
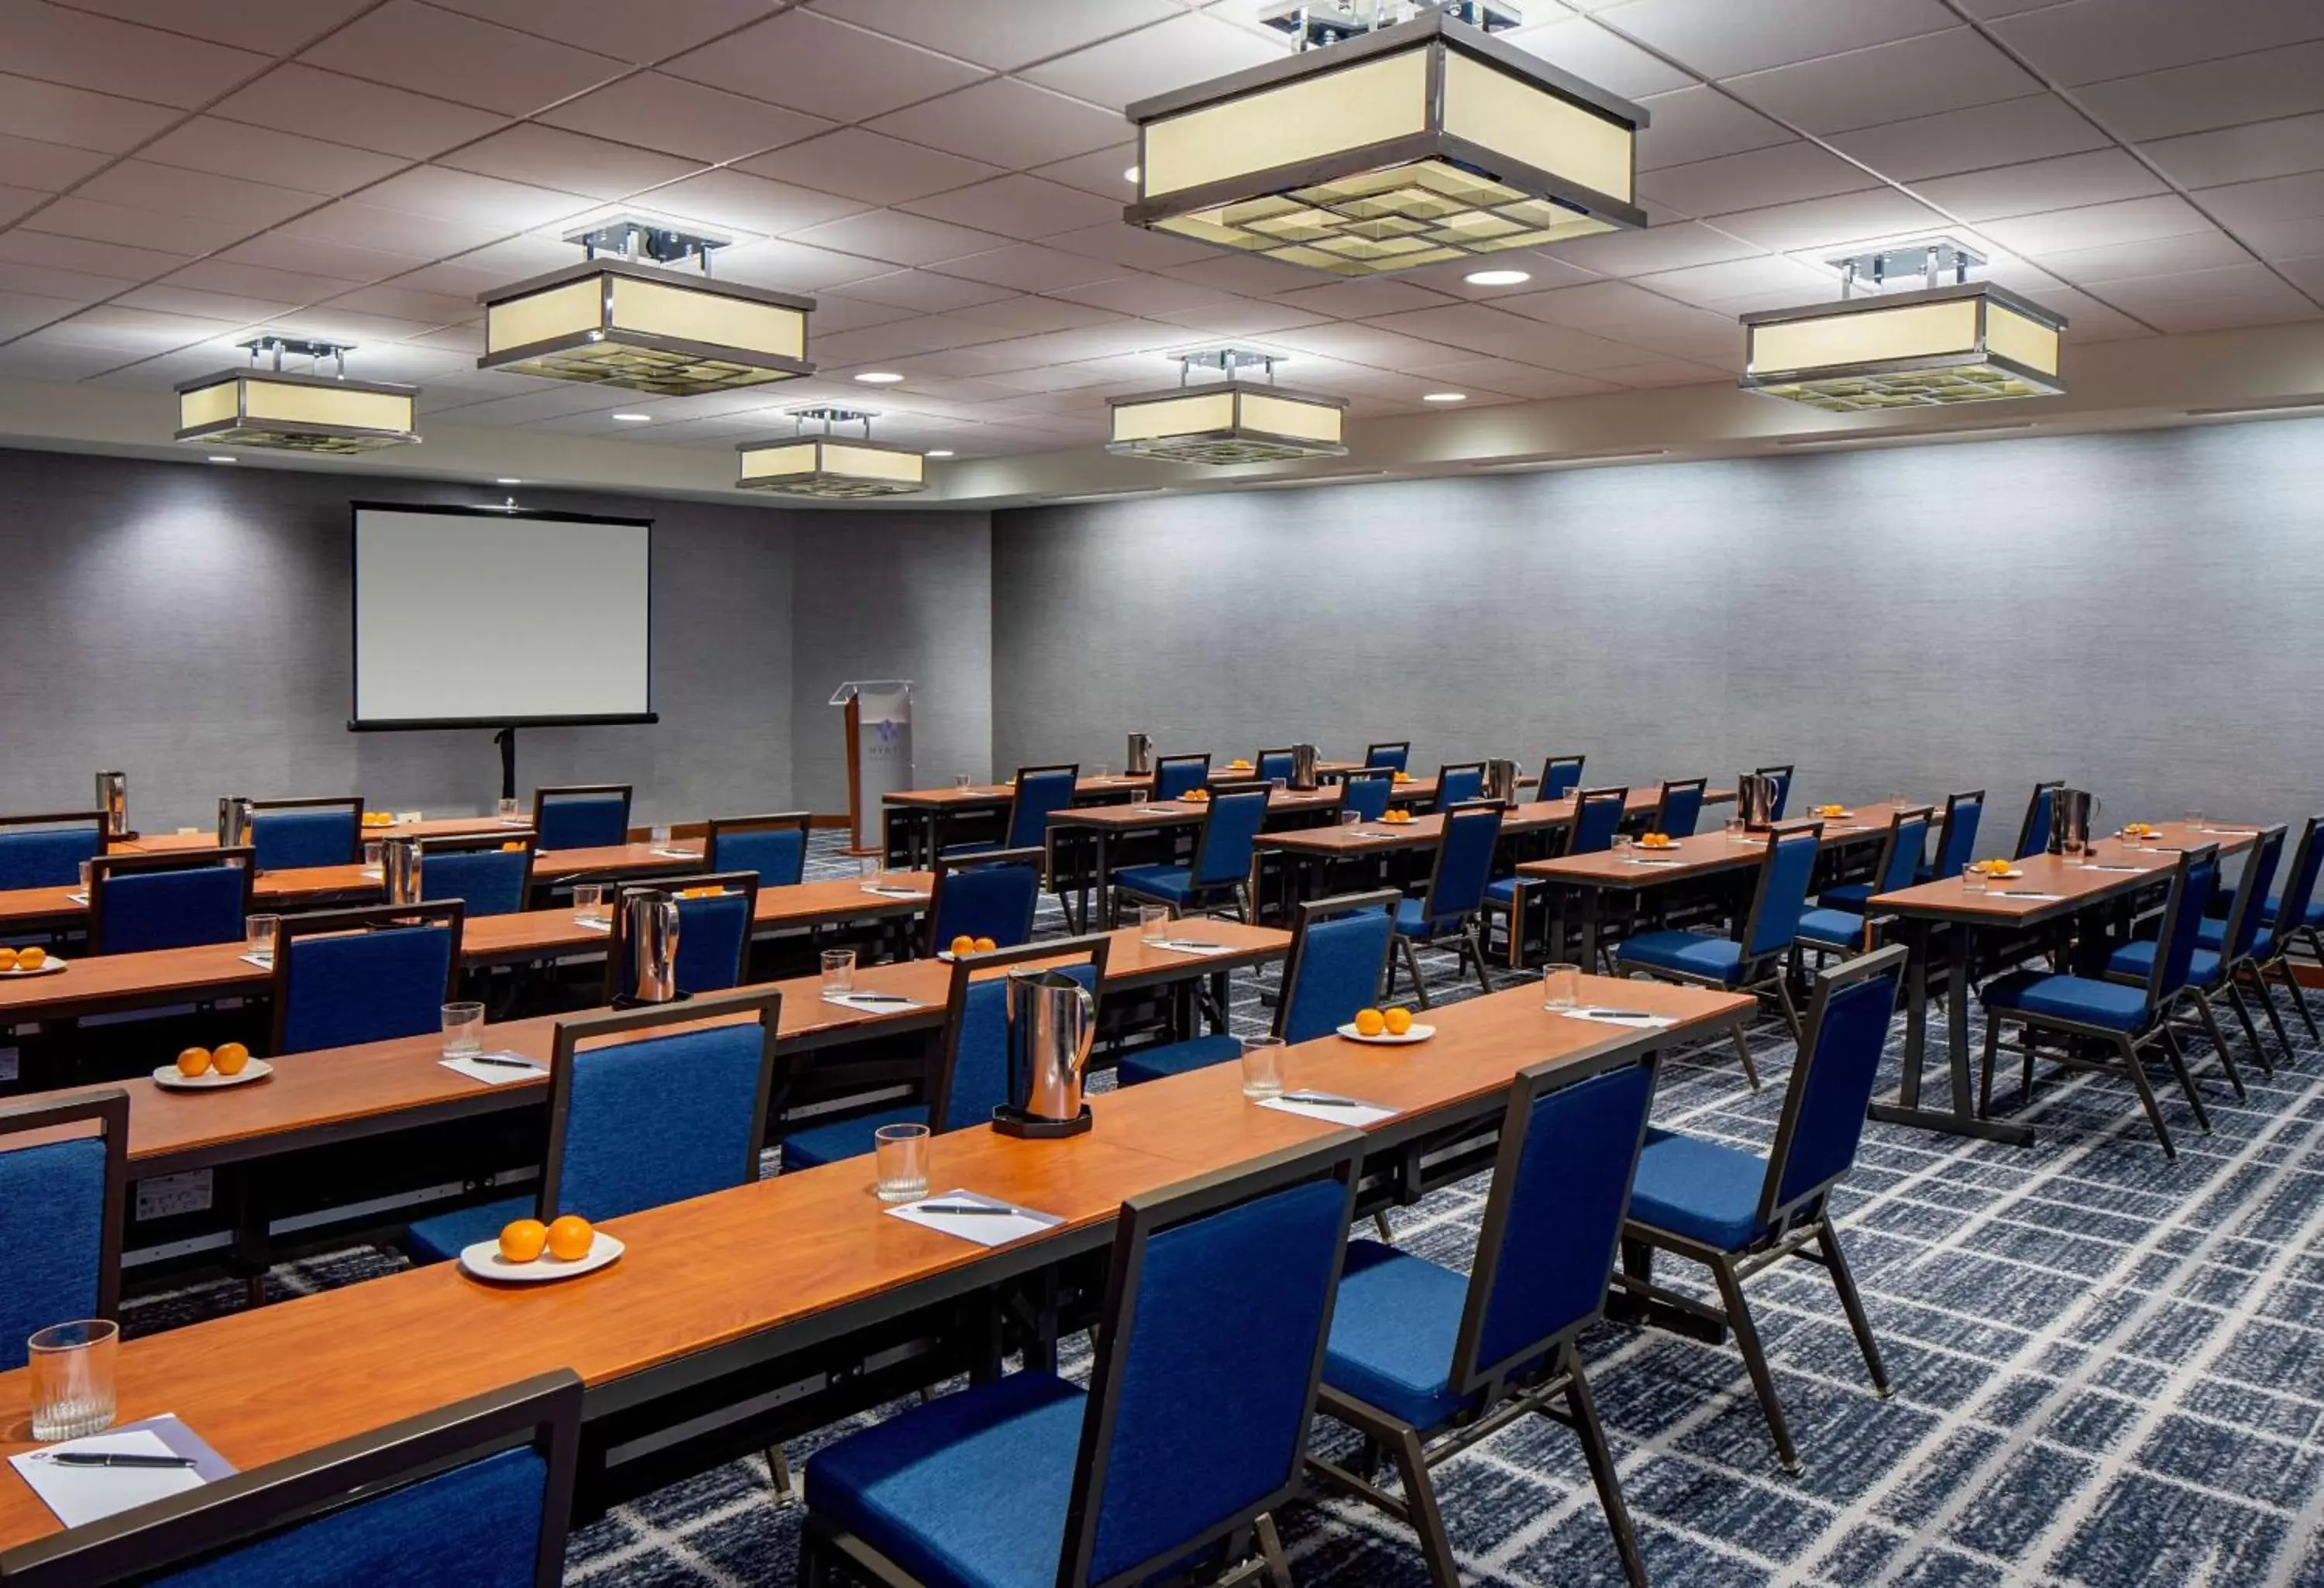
(1303, 766)
(1139, 762)
(1756, 794)
(653, 945)
(2074, 816)
(234, 820)
(1052, 1027)
(398, 869)
(1500, 781)
(113, 799)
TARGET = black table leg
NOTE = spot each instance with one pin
(1961, 1119)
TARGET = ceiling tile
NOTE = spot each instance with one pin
(2069, 181)
(399, 233)
(1597, 55)
(1782, 174)
(926, 291)
(1029, 268)
(2087, 319)
(651, 111)
(37, 358)
(1131, 245)
(216, 306)
(833, 313)
(1235, 273)
(294, 99)
(261, 154)
(790, 267)
(751, 204)
(58, 45)
(623, 29)
(1030, 316)
(1008, 122)
(1514, 380)
(234, 279)
(52, 252)
(2248, 204)
(42, 281)
(1621, 311)
(2241, 154)
(2213, 300)
(1372, 345)
(1669, 247)
(902, 239)
(2088, 41)
(493, 206)
(21, 312)
(246, 207)
(2260, 87)
(1102, 172)
(2284, 239)
(1188, 49)
(1483, 329)
(1140, 293)
(548, 157)
(56, 114)
(865, 165)
(1887, 82)
(407, 303)
(272, 27)
(188, 234)
(1360, 299)
(2207, 249)
(901, 339)
(408, 45)
(1767, 281)
(1720, 39)
(1020, 205)
(2308, 275)
(1003, 34)
(2036, 127)
(2096, 226)
(1700, 124)
(45, 168)
(136, 331)
(16, 202)
(1668, 372)
(823, 67)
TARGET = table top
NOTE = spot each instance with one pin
(280, 1379)
(1704, 855)
(2054, 885)
(1141, 815)
(984, 796)
(1376, 837)
(434, 826)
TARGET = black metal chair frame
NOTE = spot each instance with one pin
(106, 867)
(1701, 786)
(109, 1107)
(1468, 938)
(1314, 911)
(1873, 923)
(1550, 763)
(481, 842)
(1621, 796)
(717, 826)
(1201, 896)
(617, 940)
(1201, 758)
(1372, 750)
(1783, 775)
(542, 796)
(2311, 833)
(2025, 829)
(351, 803)
(944, 869)
(449, 913)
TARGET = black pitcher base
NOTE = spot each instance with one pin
(632, 1001)
(1016, 1122)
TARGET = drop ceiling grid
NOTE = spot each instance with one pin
(946, 182)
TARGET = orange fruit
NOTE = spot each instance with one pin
(1370, 1023)
(194, 1061)
(1399, 1020)
(570, 1238)
(964, 944)
(229, 1058)
(523, 1239)
(7, 959)
(31, 959)
(1400, 776)
(986, 946)
(511, 848)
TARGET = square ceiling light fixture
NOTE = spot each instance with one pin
(1413, 144)
(828, 465)
(290, 412)
(1940, 342)
(1230, 420)
(628, 320)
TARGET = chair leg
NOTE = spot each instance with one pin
(2219, 1046)
(2146, 1097)
(2299, 997)
(2177, 1054)
(1270, 1550)
(1755, 1359)
(2242, 1006)
(1743, 1051)
(1379, 1222)
(1420, 1503)
(1475, 944)
(1843, 1280)
(1791, 1012)
(814, 1569)
(779, 1469)
(1992, 1051)
(1600, 1458)
(1412, 966)
(2264, 996)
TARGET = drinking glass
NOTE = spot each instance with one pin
(1153, 922)
(1262, 1066)
(506, 809)
(1622, 840)
(899, 1157)
(1560, 986)
(661, 836)
(258, 934)
(873, 870)
(84, 878)
(464, 1029)
(71, 1368)
(1277, 786)
(1736, 830)
(1351, 818)
(838, 970)
(589, 904)
(1974, 881)
(371, 854)
(960, 781)
(1103, 773)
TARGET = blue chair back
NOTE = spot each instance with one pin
(1273, 764)
(487, 880)
(1178, 774)
(1782, 776)
(990, 895)
(1956, 839)
(1597, 818)
(1333, 969)
(655, 1119)
(1394, 758)
(1908, 844)
(141, 904)
(1459, 783)
(1365, 794)
(2251, 894)
(775, 847)
(1681, 809)
(591, 817)
(307, 835)
(2182, 923)
(60, 1208)
(2300, 883)
(1041, 792)
(46, 851)
(713, 933)
(2033, 835)
(1830, 1087)
(1783, 892)
(1561, 1186)
(1464, 861)
(1560, 775)
(1230, 829)
(342, 977)
(1218, 1301)
(972, 1074)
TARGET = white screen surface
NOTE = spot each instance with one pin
(499, 618)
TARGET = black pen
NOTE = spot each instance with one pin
(967, 1207)
(1322, 1100)
(93, 1458)
(875, 997)
(1619, 1014)
(506, 1064)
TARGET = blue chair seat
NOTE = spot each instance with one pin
(1690, 954)
(1838, 929)
(1393, 1329)
(442, 1238)
(1699, 1189)
(1412, 923)
(2137, 959)
(1177, 1058)
(2080, 999)
(1502, 892)
(1172, 884)
(1848, 896)
(2213, 935)
(851, 1138)
(981, 846)
(968, 1491)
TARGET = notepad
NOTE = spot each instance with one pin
(1187, 945)
(887, 891)
(592, 926)
(678, 854)
(1339, 1111)
(78, 1495)
(1606, 1017)
(496, 1075)
(871, 1002)
(78, 898)
(1015, 1223)
(264, 959)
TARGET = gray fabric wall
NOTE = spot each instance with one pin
(189, 623)
(2133, 613)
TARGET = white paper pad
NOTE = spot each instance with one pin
(84, 1494)
(1157, 810)
(2022, 894)
(2113, 868)
(514, 821)
(1597, 1015)
(78, 898)
(374, 872)
(496, 1075)
(1627, 862)
(264, 961)
(592, 926)
(1350, 1111)
(887, 892)
(678, 854)
(1189, 946)
(984, 1229)
(868, 1003)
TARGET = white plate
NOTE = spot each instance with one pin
(945, 955)
(1831, 816)
(2002, 876)
(1418, 1033)
(53, 965)
(168, 1079)
(1673, 847)
(484, 1261)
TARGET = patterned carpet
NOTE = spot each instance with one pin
(2108, 1371)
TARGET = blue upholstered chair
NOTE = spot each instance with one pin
(1178, 774)
(174, 899)
(1453, 907)
(1339, 948)
(1221, 869)
(291, 835)
(990, 895)
(1038, 793)
(2213, 969)
(2124, 1018)
(61, 1215)
(2288, 919)
(1273, 764)
(1955, 847)
(713, 933)
(969, 1075)
(1395, 756)
(1458, 782)
(653, 1118)
(46, 851)
(1737, 1213)
(1364, 795)
(1423, 1362)
(2034, 833)
(582, 816)
(1830, 930)
(774, 846)
(489, 875)
(1218, 1295)
(479, 1493)
(347, 976)
(1679, 811)
(1597, 818)
(1782, 776)
(1753, 960)
(1560, 775)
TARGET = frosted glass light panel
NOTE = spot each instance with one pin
(1228, 421)
(1966, 343)
(292, 412)
(831, 468)
(1419, 144)
(672, 333)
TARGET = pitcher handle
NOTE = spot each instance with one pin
(1089, 1028)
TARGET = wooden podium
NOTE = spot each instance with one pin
(878, 717)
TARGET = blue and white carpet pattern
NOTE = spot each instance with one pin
(2109, 1369)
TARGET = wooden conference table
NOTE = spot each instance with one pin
(1103, 826)
(434, 826)
(770, 1286)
